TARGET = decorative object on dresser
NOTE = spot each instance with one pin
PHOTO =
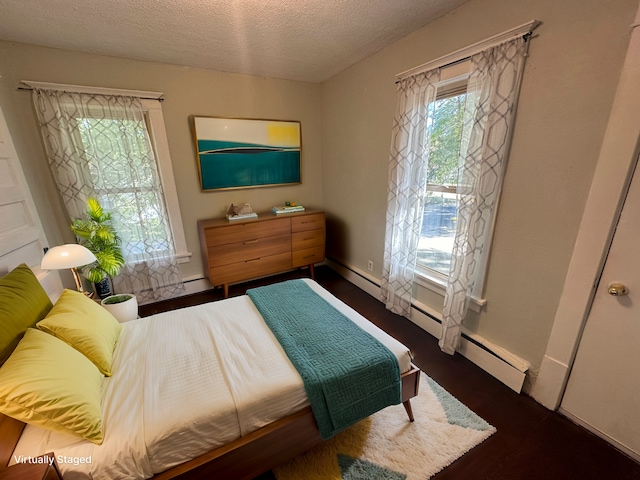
(291, 208)
(69, 256)
(245, 249)
(237, 212)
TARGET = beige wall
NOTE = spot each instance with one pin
(568, 88)
(187, 92)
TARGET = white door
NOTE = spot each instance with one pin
(21, 236)
(603, 391)
(22, 239)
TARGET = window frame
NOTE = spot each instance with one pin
(453, 81)
(160, 144)
(154, 120)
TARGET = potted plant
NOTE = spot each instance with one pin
(96, 232)
(124, 306)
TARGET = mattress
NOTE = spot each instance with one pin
(185, 382)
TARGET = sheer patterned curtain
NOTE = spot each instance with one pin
(491, 100)
(99, 145)
(407, 181)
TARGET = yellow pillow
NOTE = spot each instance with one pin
(47, 383)
(86, 326)
(23, 302)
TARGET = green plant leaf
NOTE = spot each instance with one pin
(96, 233)
(117, 299)
(94, 209)
(93, 273)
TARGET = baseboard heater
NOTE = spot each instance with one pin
(498, 362)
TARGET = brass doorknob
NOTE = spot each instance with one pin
(617, 289)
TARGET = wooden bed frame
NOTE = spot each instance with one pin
(244, 458)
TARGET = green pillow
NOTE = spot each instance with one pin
(23, 302)
(47, 383)
(86, 326)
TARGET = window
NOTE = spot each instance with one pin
(494, 70)
(111, 144)
(440, 203)
(130, 186)
(126, 183)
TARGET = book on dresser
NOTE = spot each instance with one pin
(244, 249)
(287, 209)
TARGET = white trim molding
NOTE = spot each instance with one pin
(431, 283)
(618, 157)
(161, 144)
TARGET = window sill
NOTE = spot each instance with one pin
(438, 286)
(184, 257)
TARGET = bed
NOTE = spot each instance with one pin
(248, 408)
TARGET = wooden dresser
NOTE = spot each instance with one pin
(245, 249)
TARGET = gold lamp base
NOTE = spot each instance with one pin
(76, 277)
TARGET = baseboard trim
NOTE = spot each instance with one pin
(551, 382)
(510, 370)
(359, 278)
(195, 284)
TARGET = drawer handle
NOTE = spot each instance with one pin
(248, 242)
(310, 221)
(310, 238)
(309, 256)
(253, 260)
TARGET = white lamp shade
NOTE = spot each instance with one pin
(67, 256)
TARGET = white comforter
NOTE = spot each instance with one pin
(185, 382)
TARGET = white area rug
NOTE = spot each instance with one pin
(387, 446)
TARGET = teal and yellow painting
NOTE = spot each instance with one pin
(239, 153)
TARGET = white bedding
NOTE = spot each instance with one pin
(173, 397)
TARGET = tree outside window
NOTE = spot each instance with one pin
(440, 205)
(123, 173)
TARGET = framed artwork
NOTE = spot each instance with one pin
(244, 153)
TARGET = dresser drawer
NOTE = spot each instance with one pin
(246, 231)
(307, 239)
(248, 250)
(308, 256)
(307, 222)
(250, 269)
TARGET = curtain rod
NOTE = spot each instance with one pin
(525, 30)
(28, 85)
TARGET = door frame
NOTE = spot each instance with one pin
(616, 163)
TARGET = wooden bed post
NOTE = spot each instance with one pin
(410, 387)
(10, 431)
(407, 407)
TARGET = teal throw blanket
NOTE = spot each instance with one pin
(347, 374)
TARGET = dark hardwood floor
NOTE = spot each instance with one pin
(531, 442)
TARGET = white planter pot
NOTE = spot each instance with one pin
(123, 311)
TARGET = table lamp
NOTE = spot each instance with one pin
(70, 256)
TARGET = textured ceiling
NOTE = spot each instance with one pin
(308, 40)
